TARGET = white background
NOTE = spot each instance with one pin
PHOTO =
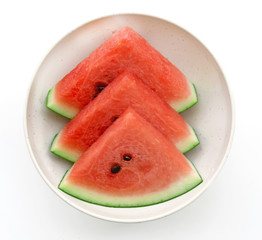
(230, 208)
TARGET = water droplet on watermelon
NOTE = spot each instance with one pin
(127, 157)
(115, 169)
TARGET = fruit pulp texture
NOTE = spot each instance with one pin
(125, 50)
(154, 164)
(126, 90)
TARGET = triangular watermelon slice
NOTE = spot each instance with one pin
(126, 90)
(132, 164)
(125, 50)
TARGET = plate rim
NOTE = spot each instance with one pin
(133, 220)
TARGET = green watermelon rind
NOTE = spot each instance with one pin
(194, 144)
(188, 143)
(190, 102)
(72, 156)
(51, 104)
(108, 201)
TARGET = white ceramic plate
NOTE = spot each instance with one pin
(212, 117)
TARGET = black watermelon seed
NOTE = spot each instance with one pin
(114, 118)
(99, 88)
(115, 169)
(127, 157)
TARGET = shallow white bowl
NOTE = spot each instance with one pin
(212, 117)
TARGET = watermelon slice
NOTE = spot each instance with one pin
(126, 90)
(125, 50)
(131, 164)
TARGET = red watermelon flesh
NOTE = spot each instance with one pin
(125, 50)
(126, 90)
(153, 172)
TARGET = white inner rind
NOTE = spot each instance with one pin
(64, 110)
(63, 152)
(187, 143)
(184, 104)
(174, 190)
